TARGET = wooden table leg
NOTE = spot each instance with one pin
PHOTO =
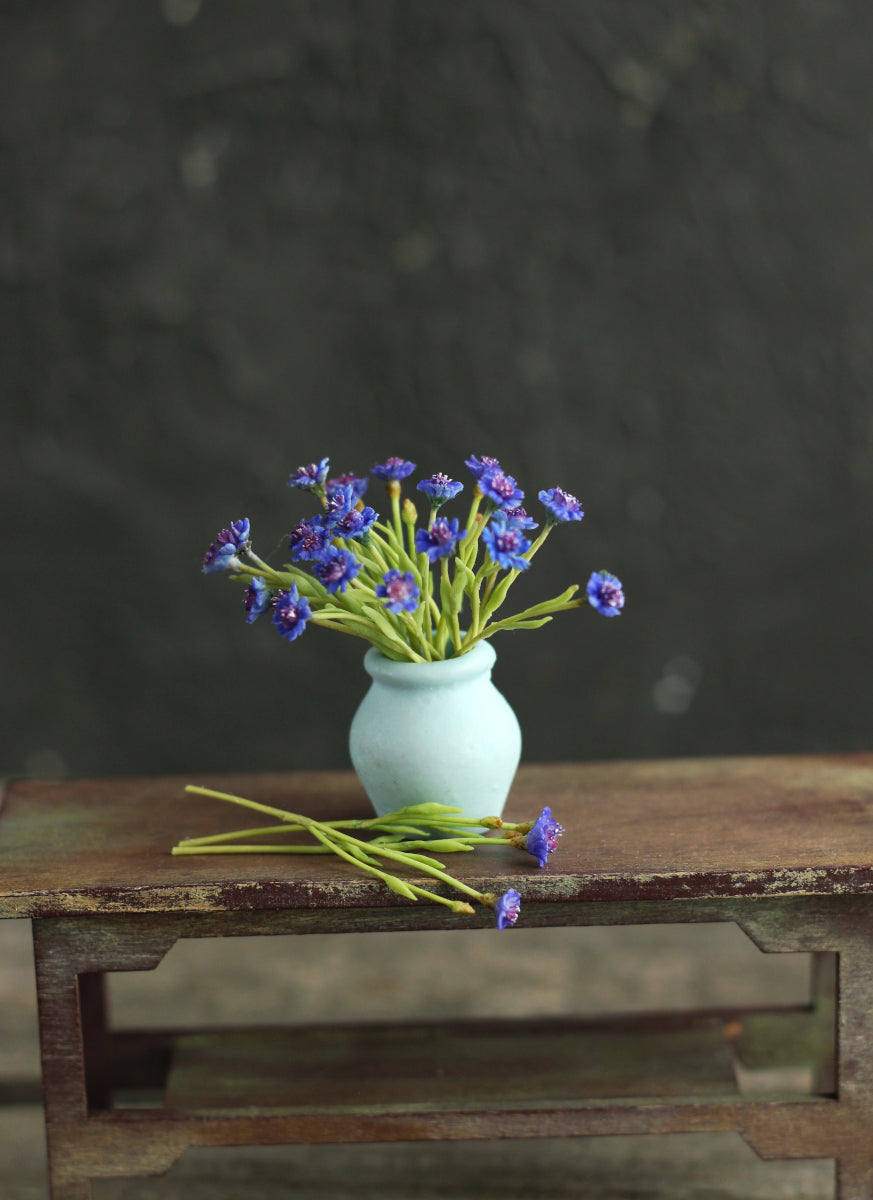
(855, 1069)
(70, 956)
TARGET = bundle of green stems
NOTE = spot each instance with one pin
(408, 836)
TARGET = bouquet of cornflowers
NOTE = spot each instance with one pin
(405, 590)
(400, 587)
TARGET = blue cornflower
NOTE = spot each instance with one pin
(478, 465)
(393, 468)
(542, 839)
(500, 488)
(311, 477)
(518, 518)
(335, 568)
(399, 591)
(256, 599)
(342, 516)
(439, 488)
(506, 544)
(506, 908)
(605, 593)
(355, 522)
(561, 505)
(440, 540)
(291, 611)
(223, 554)
(359, 483)
(308, 538)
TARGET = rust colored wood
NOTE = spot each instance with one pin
(635, 831)
(782, 847)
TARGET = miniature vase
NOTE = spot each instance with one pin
(438, 731)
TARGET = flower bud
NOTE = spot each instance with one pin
(408, 512)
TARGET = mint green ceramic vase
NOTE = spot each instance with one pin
(436, 731)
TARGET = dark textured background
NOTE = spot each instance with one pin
(627, 248)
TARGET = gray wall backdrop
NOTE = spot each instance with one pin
(625, 247)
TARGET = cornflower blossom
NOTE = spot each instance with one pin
(393, 468)
(358, 482)
(440, 540)
(399, 591)
(506, 544)
(562, 506)
(310, 477)
(256, 599)
(335, 568)
(507, 907)
(343, 518)
(308, 538)
(502, 489)
(478, 465)
(518, 518)
(223, 554)
(605, 593)
(542, 838)
(355, 523)
(291, 611)
(439, 488)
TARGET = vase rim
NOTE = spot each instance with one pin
(475, 662)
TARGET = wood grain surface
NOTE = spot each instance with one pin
(634, 831)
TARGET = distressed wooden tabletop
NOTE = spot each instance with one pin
(693, 828)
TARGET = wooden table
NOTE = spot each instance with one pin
(781, 846)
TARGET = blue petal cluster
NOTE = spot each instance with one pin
(393, 468)
(291, 611)
(478, 465)
(308, 538)
(561, 505)
(542, 839)
(335, 568)
(343, 517)
(358, 482)
(519, 518)
(399, 591)
(605, 593)
(439, 488)
(311, 477)
(506, 908)
(505, 543)
(440, 540)
(223, 554)
(256, 599)
(500, 488)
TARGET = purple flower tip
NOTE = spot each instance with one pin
(518, 518)
(358, 483)
(291, 611)
(605, 593)
(343, 517)
(561, 505)
(505, 543)
(399, 591)
(506, 908)
(393, 468)
(440, 488)
(478, 465)
(256, 599)
(440, 540)
(500, 488)
(310, 477)
(335, 568)
(223, 554)
(308, 538)
(542, 840)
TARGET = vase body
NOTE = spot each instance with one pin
(436, 731)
